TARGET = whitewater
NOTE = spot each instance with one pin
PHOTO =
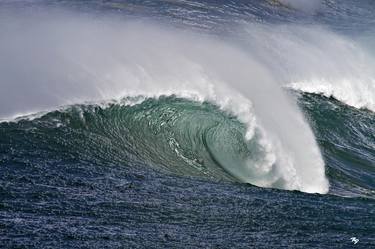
(77, 68)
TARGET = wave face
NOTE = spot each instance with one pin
(176, 135)
(170, 133)
(191, 138)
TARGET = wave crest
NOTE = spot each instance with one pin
(85, 59)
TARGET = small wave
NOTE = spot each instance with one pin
(347, 139)
(354, 93)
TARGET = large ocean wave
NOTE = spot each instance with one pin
(193, 138)
(87, 58)
(97, 60)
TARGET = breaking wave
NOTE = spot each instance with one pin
(207, 105)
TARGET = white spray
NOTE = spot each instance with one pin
(49, 60)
